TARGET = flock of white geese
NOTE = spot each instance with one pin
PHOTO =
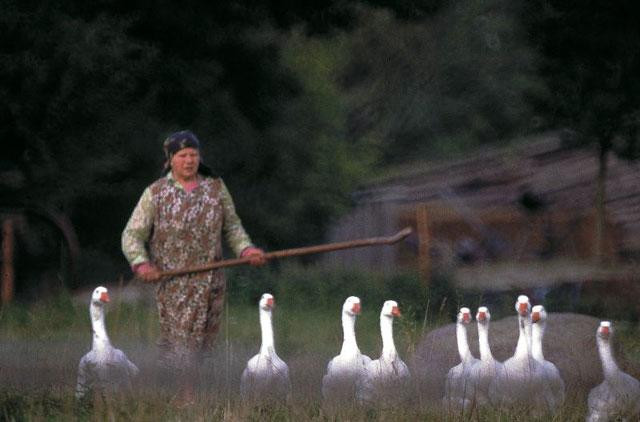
(525, 379)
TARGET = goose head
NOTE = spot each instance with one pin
(464, 315)
(351, 306)
(390, 309)
(538, 314)
(523, 306)
(267, 302)
(483, 316)
(605, 330)
(100, 296)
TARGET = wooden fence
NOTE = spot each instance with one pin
(450, 238)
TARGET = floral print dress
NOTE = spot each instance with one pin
(174, 228)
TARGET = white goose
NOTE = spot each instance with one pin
(488, 367)
(461, 382)
(343, 371)
(104, 367)
(266, 375)
(618, 396)
(554, 390)
(519, 380)
(385, 379)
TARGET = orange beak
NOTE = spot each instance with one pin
(535, 317)
(271, 302)
(481, 316)
(522, 308)
(356, 308)
(104, 297)
(604, 331)
(395, 311)
(466, 317)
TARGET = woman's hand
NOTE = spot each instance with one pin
(147, 272)
(256, 256)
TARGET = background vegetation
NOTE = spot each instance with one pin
(296, 104)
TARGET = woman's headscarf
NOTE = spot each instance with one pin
(180, 140)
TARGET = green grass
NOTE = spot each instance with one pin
(42, 342)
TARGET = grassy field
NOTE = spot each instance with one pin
(41, 344)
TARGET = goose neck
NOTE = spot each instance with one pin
(523, 347)
(609, 366)
(483, 339)
(349, 344)
(386, 330)
(463, 343)
(266, 329)
(537, 333)
(100, 337)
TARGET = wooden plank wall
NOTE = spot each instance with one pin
(494, 181)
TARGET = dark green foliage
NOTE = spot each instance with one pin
(591, 66)
(296, 104)
(89, 93)
(450, 82)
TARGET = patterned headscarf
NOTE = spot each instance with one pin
(180, 140)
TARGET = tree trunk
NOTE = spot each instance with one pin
(601, 192)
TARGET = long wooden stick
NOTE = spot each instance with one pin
(389, 240)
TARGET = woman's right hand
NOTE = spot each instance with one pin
(147, 272)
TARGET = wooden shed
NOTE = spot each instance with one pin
(527, 203)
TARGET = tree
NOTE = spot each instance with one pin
(591, 67)
(446, 83)
(90, 91)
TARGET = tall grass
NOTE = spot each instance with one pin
(41, 343)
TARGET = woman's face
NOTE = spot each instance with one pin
(184, 164)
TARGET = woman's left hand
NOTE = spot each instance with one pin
(256, 256)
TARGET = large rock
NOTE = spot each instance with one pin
(569, 343)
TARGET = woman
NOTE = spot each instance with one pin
(178, 223)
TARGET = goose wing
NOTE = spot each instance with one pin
(86, 374)
(120, 359)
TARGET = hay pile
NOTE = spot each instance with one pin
(569, 343)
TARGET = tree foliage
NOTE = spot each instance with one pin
(295, 104)
(90, 92)
(591, 66)
(451, 81)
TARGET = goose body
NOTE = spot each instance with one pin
(344, 370)
(553, 385)
(385, 379)
(266, 376)
(488, 367)
(104, 367)
(462, 380)
(618, 396)
(519, 379)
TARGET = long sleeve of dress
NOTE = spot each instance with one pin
(236, 236)
(138, 229)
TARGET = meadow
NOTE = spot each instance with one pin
(41, 343)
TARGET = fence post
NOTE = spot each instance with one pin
(6, 289)
(424, 259)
